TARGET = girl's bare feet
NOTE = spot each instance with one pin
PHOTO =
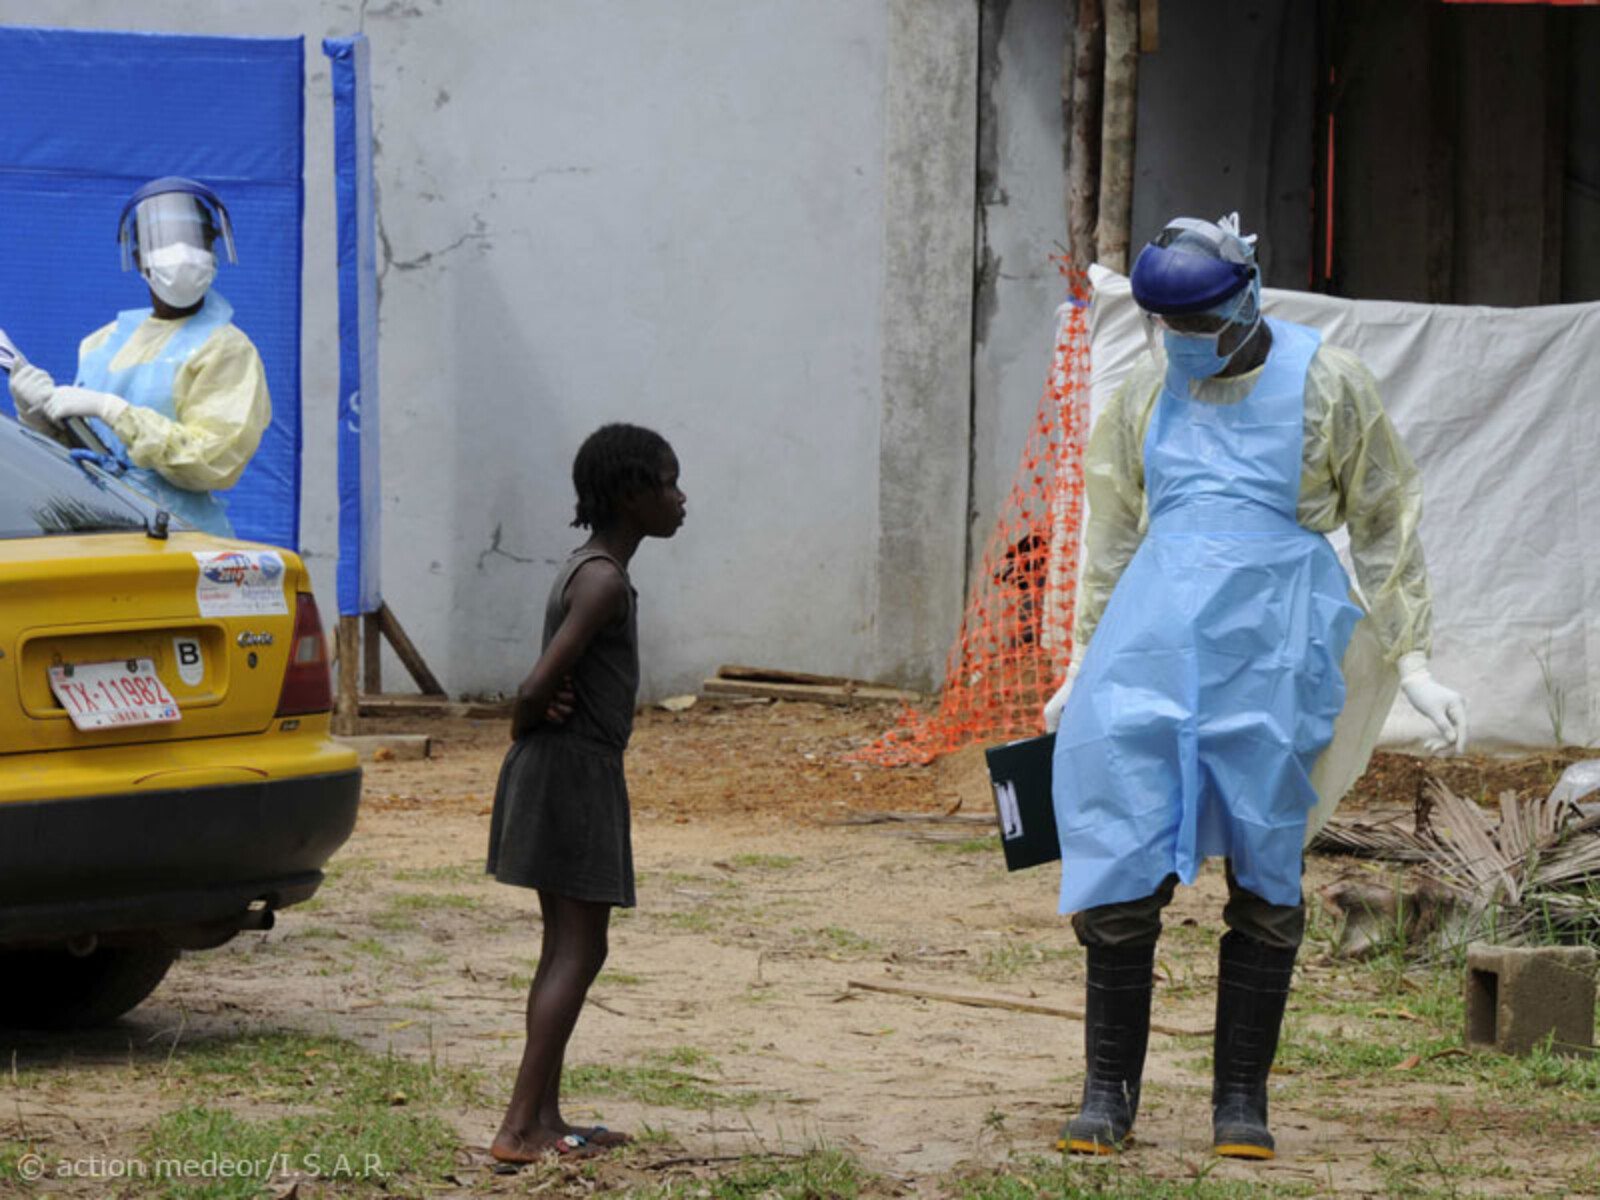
(509, 1147)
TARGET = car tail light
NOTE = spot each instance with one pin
(306, 684)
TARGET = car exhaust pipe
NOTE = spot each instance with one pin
(258, 919)
(84, 946)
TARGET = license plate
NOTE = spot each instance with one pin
(102, 695)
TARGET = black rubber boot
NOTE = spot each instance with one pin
(1116, 1029)
(1252, 990)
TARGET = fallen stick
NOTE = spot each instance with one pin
(915, 818)
(1027, 1006)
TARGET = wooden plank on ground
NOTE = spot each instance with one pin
(433, 706)
(1006, 1002)
(777, 675)
(817, 694)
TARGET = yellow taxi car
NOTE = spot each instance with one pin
(167, 777)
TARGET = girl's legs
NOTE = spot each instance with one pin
(571, 955)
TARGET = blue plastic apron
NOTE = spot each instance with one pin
(1213, 680)
(149, 385)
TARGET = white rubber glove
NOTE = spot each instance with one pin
(1447, 709)
(84, 402)
(30, 387)
(1052, 709)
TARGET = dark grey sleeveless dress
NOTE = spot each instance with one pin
(560, 819)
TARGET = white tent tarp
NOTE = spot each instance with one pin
(1501, 409)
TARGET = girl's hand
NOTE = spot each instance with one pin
(562, 704)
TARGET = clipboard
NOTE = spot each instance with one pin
(1020, 774)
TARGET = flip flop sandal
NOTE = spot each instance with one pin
(568, 1145)
(602, 1138)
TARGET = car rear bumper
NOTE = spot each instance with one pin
(175, 857)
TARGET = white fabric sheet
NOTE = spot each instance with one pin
(1501, 409)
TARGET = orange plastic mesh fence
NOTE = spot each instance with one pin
(1016, 633)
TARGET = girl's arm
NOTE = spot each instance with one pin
(597, 597)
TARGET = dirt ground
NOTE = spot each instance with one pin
(758, 907)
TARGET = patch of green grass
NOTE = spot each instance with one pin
(426, 901)
(766, 862)
(375, 948)
(1407, 1171)
(816, 1175)
(320, 931)
(1012, 958)
(10, 1153)
(618, 979)
(352, 873)
(1075, 1179)
(659, 1080)
(355, 1149)
(303, 1066)
(988, 844)
(452, 873)
(360, 1123)
(696, 920)
(836, 939)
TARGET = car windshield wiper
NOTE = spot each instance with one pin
(100, 466)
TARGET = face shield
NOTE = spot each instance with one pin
(181, 214)
(1200, 291)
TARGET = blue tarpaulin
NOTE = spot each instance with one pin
(86, 116)
(358, 327)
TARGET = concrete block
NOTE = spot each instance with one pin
(387, 747)
(1519, 995)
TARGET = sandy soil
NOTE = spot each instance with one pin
(758, 907)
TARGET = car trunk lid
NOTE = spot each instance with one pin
(215, 620)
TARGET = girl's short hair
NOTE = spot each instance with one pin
(613, 461)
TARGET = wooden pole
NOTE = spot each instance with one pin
(371, 655)
(408, 653)
(347, 706)
(1083, 147)
(1117, 130)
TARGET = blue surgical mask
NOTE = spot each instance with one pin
(1194, 356)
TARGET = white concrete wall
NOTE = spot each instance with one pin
(747, 224)
(1023, 221)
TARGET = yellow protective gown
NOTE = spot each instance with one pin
(1354, 471)
(220, 404)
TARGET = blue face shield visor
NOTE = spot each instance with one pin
(1199, 287)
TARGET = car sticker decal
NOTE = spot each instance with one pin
(240, 583)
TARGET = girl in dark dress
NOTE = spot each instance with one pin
(560, 822)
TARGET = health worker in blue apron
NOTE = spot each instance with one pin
(1216, 630)
(176, 390)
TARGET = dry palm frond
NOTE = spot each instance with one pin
(1537, 865)
(1386, 841)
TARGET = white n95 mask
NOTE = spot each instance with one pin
(179, 274)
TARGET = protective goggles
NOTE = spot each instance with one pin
(1211, 323)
